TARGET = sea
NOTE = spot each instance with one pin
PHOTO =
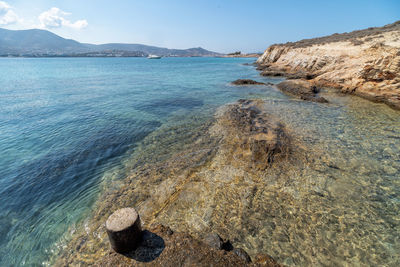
(68, 124)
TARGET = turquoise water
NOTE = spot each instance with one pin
(65, 122)
(68, 125)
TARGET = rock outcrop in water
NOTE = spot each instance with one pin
(248, 82)
(365, 63)
(302, 89)
(254, 136)
(205, 184)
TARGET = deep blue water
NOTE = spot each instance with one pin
(65, 121)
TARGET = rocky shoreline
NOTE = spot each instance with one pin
(365, 63)
(187, 191)
(161, 246)
(240, 185)
(230, 191)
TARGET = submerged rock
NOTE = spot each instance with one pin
(161, 248)
(214, 180)
(242, 254)
(301, 89)
(255, 137)
(265, 260)
(249, 64)
(214, 241)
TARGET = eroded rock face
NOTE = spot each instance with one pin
(268, 70)
(302, 89)
(365, 63)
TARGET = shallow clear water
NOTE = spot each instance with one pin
(337, 205)
(67, 125)
(345, 209)
(64, 123)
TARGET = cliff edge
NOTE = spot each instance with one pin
(365, 62)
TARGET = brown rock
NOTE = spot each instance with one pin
(242, 254)
(302, 89)
(365, 63)
(159, 248)
(214, 241)
(265, 260)
(177, 188)
(262, 140)
(270, 71)
(273, 73)
(247, 82)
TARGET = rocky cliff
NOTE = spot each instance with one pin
(365, 63)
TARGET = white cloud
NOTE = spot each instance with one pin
(55, 18)
(7, 15)
(4, 7)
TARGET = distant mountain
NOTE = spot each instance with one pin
(37, 42)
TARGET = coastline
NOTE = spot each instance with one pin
(188, 188)
(215, 180)
(99, 136)
(255, 55)
(267, 150)
(365, 63)
(161, 188)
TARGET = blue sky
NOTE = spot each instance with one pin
(219, 25)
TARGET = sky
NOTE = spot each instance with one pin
(217, 25)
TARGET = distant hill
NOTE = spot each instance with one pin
(37, 42)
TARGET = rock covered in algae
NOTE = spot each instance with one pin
(255, 137)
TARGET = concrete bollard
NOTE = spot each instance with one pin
(124, 230)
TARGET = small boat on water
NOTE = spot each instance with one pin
(153, 57)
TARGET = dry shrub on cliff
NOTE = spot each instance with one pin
(353, 36)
